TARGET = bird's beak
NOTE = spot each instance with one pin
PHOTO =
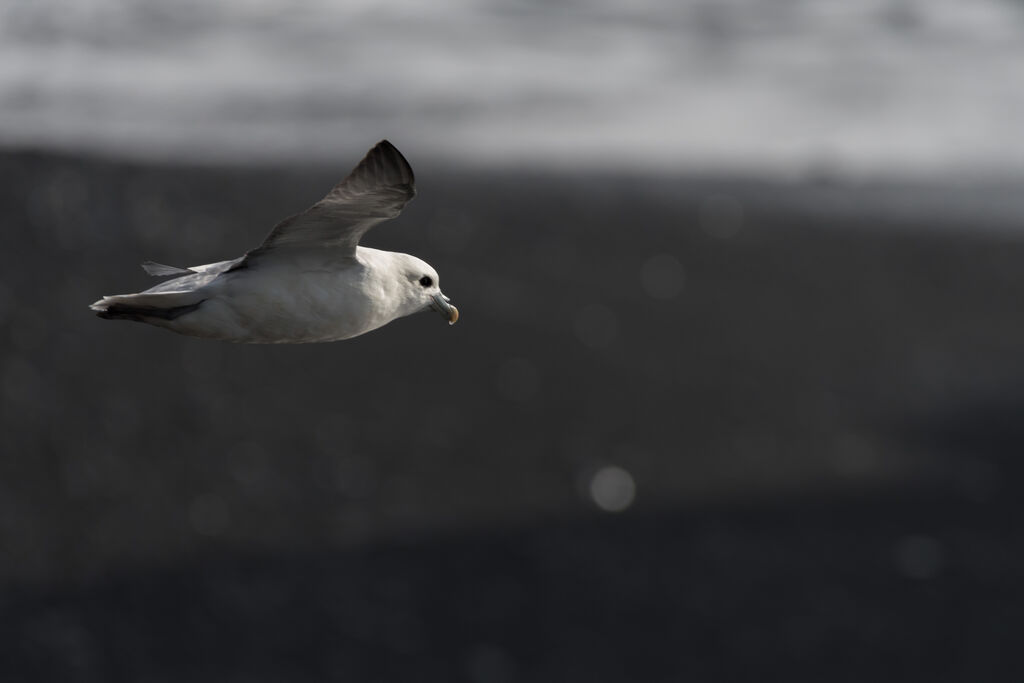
(442, 306)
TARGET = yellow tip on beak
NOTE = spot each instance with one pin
(441, 305)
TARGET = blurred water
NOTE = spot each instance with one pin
(918, 88)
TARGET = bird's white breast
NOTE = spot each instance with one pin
(293, 300)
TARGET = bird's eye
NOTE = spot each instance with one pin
(426, 281)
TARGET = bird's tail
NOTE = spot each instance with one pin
(146, 307)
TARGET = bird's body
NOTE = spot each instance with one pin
(309, 281)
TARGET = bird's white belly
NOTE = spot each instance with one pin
(282, 306)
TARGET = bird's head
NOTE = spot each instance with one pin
(422, 287)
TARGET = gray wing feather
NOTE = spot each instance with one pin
(200, 276)
(161, 270)
(376, 190)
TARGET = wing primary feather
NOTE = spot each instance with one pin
(382, 166)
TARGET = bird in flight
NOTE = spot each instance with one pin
(309, 281)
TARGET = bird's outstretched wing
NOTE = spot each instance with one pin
(376, 190)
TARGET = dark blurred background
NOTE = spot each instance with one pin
(736, 393)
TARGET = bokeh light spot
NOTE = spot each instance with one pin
(612, 489)
(662, 276)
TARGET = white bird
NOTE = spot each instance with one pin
(309, 281)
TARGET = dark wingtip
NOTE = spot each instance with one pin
(139, 313)
(391, 160)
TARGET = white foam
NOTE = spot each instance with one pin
(919, 87)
